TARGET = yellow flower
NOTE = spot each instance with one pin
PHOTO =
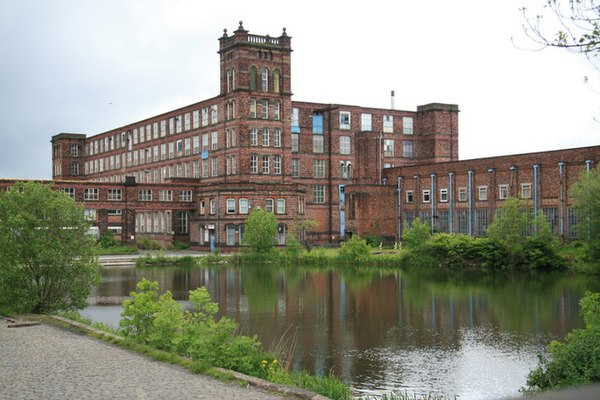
(274, 362)
(263, 363)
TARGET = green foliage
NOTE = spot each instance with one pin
(575, 361)
(586, 193)
(164, 261)
(144, 243)
(259, 231)
(180, 246)
(107, 240)
(415, 236)
(117, 250)
(355, 249)
(372, 240)
(48, 262)
(159, 321)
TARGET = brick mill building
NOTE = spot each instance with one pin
(195, 173)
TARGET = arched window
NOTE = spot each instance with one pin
(276, 77)
(252, 78)
(264, 80)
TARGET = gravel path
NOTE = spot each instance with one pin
(44, 362)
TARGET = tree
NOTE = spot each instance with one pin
(576, 27)
(577, 360)
(259, 232)
(47, 262)
(417, 235)
(586, 193)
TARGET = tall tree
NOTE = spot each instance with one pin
(586, 193)
(259, 232)
(47, 261)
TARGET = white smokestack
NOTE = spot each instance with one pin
(393, 105)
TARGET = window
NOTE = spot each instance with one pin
(409, 196)
(253, 73)
(443, 195)
(482, 193)
(75, 168)
(295, 167)
(318, 123)
(407, 125)
(179, 147)
(265, 164)
(165, 195)
(204, 116)
(407, 148)
(205, 168)
(462, 194)
(212, 206)
(269, 205)
(231, 206)
(230, 137)
(318, 169)
(525, 190)
(196, 144)
(264, 80)
(503, 192)
(295, 142)
(254, 164)
(276, 76)
(91, 194)
(345, 145)
(277, 165)
(214, 114)
(115, 195)
(185, 195)
(388, 124)
(276, 111)
(265, 109)
(186, 121)
(195, 119)
(114, 212)
(346, 169)
(69, 192)
(214, 140)
(202, 208)
(243, 206)
(318, 144)
(178, 124)
(252, 108)
(295, 120)
(253, 137)
(265, 137)
(145, 195)
(214, 166)
(280, 206)
(344, 119)
(319, 194)
(74, 150)
(426, 196)
(388, 148)
(277, 137)
(89, 214)
(365, 122)
(230, 229)
(182, 219)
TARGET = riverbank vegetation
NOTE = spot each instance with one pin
(157, 320)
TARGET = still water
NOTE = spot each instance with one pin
(475, 337)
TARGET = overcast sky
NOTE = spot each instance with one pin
(90, 66)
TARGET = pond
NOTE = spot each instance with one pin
(475, 337)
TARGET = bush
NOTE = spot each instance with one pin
(147, 244)
(415, 236)
(575, 361)
(180, 246)
(107, 240)
(354, 250)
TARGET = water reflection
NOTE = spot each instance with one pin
(381, 330)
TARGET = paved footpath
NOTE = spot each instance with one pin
(44, 362)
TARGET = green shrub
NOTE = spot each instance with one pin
(147, 244)
(575, 361)
(107, 240)
(415, 236)
(354, 250)
(180, 246)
